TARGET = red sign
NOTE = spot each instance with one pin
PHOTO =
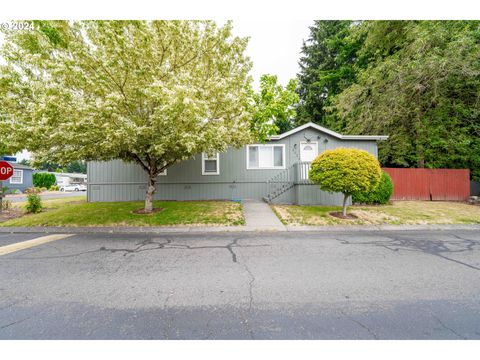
(6, 170)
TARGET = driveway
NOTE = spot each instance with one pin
(346, 285)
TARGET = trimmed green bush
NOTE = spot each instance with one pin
(45, 180)
(34, 203)
(380, 195)
(347, 171)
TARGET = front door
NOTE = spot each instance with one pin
(308, 152)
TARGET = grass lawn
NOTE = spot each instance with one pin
(75, 212)
(399, 212)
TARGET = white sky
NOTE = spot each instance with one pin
(274, 46)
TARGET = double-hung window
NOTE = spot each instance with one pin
(211, 164)
(265, 156)
(17, 177)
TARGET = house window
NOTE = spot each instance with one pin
(17, 177)
(211, 164)
(266, 156)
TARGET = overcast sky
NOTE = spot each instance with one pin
(274, 46)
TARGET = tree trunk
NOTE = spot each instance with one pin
(345, 199)
(152, 179)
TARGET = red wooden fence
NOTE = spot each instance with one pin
(430, 184)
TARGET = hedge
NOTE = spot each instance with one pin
(45, 180)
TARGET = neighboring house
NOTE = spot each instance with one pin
(21, 178)
(64, 179)
(276, 171)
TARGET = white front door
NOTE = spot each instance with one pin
(308, 151)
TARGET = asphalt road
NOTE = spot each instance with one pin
(378, 285)
(67, 194)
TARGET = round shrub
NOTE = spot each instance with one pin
(380, 195)
(347, 171)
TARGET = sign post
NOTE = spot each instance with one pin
(6, 172)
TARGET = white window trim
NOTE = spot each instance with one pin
(307, 143)
(21, 177)
(163, 173)
(205, 157)
(270, 167)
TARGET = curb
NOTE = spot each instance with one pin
(218, 229)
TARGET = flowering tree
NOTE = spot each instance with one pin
(150, 92)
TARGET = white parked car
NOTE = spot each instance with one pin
(73, 187)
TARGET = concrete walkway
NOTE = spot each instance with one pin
(260, 216)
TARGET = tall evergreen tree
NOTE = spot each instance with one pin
(328, 66)
(422, 87)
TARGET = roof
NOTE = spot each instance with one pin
(76, 175)
(20, 166)
(329, 132)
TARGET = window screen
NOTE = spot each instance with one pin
(17, 177)
(265, 156)
(210, 165)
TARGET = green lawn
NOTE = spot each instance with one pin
(72, 212)
(399, 212)
(53, 203)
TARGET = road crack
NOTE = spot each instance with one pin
(359, 323)
(448, 328)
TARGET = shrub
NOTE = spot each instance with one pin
(34, 203)
(33, 190)
(6, 205)
(380, 195)
(347, 171)
(45, 180)
(54, 188)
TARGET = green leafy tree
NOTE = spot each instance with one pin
(76, 167)
(422, 88)
(25, 162)
(273, 106)
(347, 171)
(150, 92)
(328, 66)
(44, 180)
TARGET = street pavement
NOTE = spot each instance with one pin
(260, 285)
(47, 196)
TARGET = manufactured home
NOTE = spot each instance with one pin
(275, 171)
(21, 179)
